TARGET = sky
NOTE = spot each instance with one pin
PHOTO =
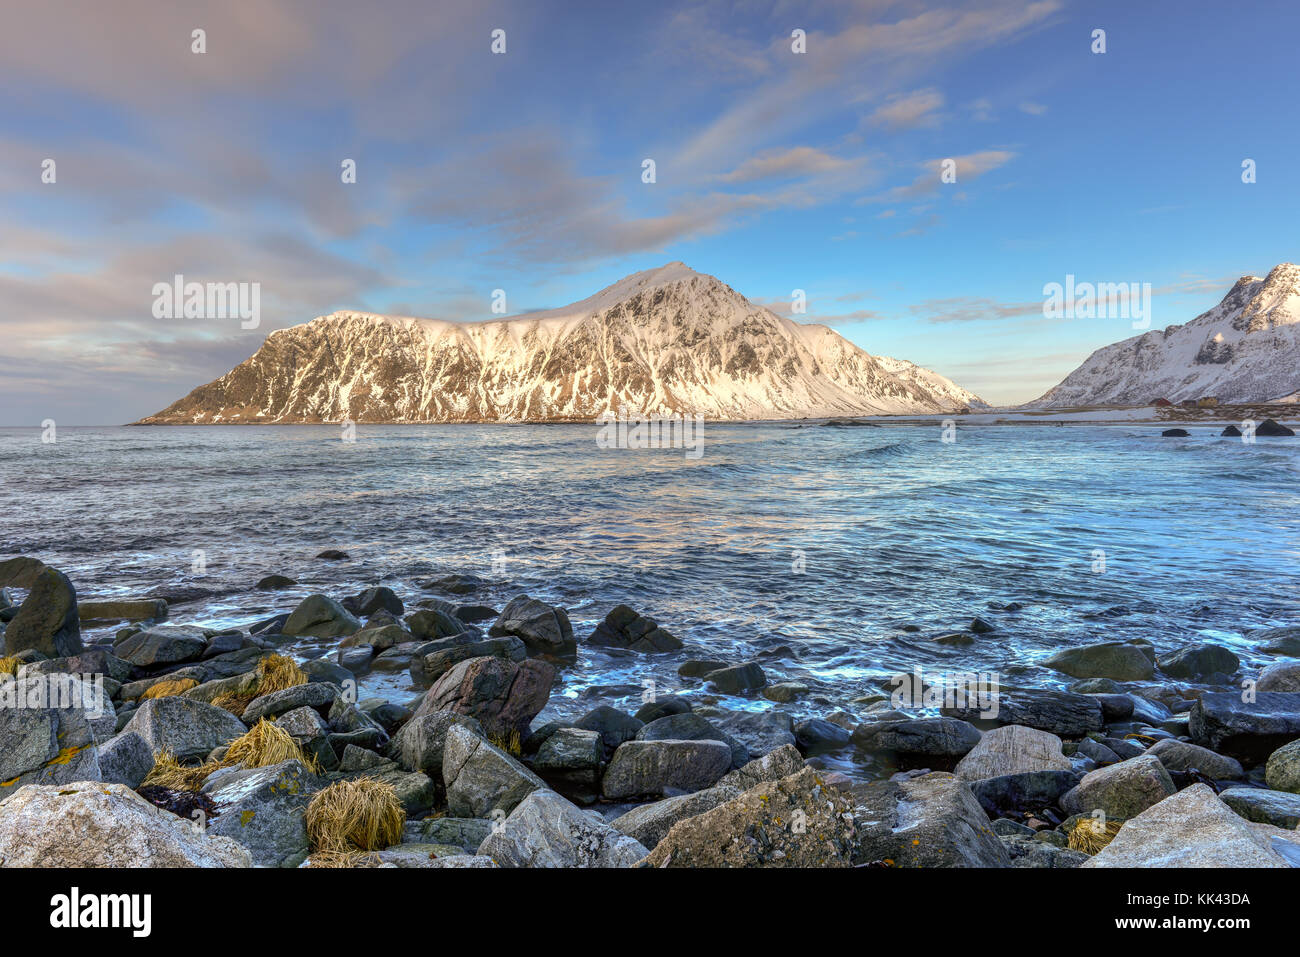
(524, 171)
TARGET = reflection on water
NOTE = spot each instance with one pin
(826, 541)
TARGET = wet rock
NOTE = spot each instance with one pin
(372, 600)
(432, 624)
(570, 761)
(624, 628)
(319, 616)
(785, 692)
(481, 778)
(780, 763)
(1248, 731)
(125, 759)
(1060, 712)
(1027, 792)
(454, 584)
(1271, 428)
(816, 734)
(162, 645)
(758, 829)
(738, 679)
(545, 830)
(148, 609)
(544, 628)
(689, 726)
(1280, 676)
(1012, 749)
(464, 832)
(92, 661)
(1279, 808)
(264, 809)
(274, 583)
(471, 614)
(699, 667)
(1096, 751)
(1282, 771)
(662, 707)
(1116, 707)
(333, 555)
(1199, 661)
(932, 740)
(930, 820)
(762, 732)
(1175, 433)
(641, 768)
(1030, 852)
(380, 639)
(316, 695)
(1096, 686)
(430, 665)
(20, 572)
(614, 726)
(1182, 756)
(1192, 828)
(501, 695)
(1110, 659)
(47, 621)
(92, 824)
(1121, 790)
(1279, 641)
(1232, 431)
(187, 728)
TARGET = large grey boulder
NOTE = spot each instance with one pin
(419, 744)
(92, 824)
(1192, 828)
(1282, 772)
(501, 695)
(1116, 660)
(762, 732)
(1012, 749)
(49, 727)
(1178, 755)
(320, 616)
(1279, 641)
(1060, 712)
(265, 809)
(931, 820)
(189, 729)
(125, 759)
(738, 679)
(481, 778)
(624, 628)
(1249, 730)
(428, 664)
(544, 628)
(932, 740)
(689, 726)
(641, 768)
(318, 695)
(1121, 790)
(1199, 661)
(162, 645)
(545, 830)
(1279, 808)
(1280, 676)
(47, 621)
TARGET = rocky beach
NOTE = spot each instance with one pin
(134, 739)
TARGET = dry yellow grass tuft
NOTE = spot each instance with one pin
(169, 688)
(1090, 836)
(265, 745)
(274, 673)
(358, 815)
(509, 743)
(324, 859)
(169, 773)
(10, 665)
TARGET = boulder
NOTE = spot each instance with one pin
(481, 778)
(689, 726)
(930, 740)
(641, 768)
(428, 665)
(1109, 659)
(1012, 749)
(1282, 772)
(1199, 661)
(320, 696)
(92, 661)
(319, 616)
(264, 809)
(1279, 641)
(1271, 428)
(125, 759)
(1060, 712)
(1192, 828)
(614, 726)
(92, 824)
(544, 628)
(815, 735)
(274, 583)
(189, 729)
(464, 832)
(797, 821)
(570, 761)
(431, 624)
(1280, 676)
(47, 621)
(146, 609)
(49, 726)
(931, 820)
(1121, 790)
(624, 628)
(1279, 808)
(162, 645)
(1249, 731)
(545, 830)
(503, 696)
(20, 572)
(762, 732)
(420, 743)
(1023, 793)
(375, 599)
(738, 679)
(454, 584)
(1180, 756)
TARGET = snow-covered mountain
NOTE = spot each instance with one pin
(1245, 349)
(659, 342)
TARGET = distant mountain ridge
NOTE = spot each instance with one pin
(660, 342)
(1245, 349)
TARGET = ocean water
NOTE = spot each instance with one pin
(828, 541)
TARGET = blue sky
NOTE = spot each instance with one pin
(775, 171)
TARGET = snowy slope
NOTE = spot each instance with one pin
(1245, 349)
(663, 341)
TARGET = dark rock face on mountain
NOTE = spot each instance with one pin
(661, 342)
